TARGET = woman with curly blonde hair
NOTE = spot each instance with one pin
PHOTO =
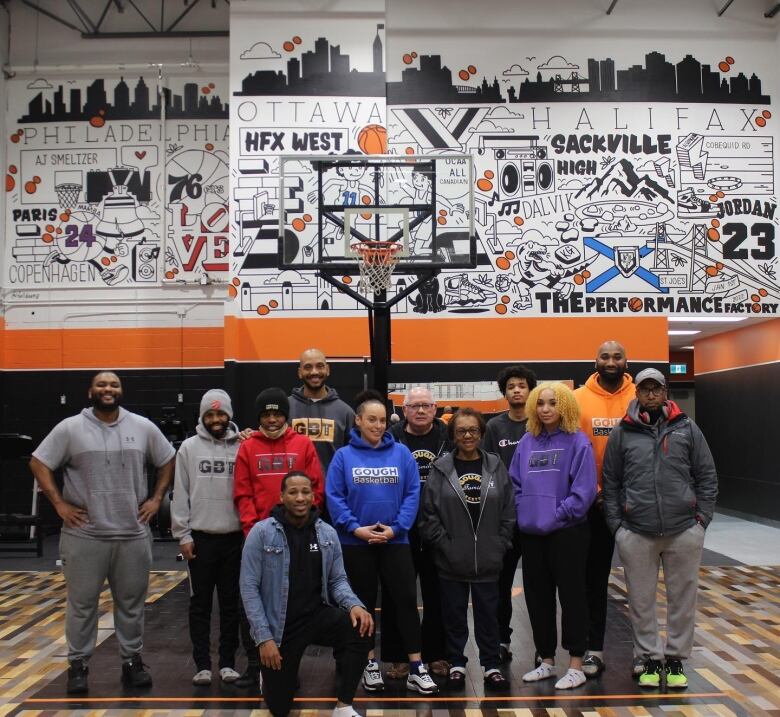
(554, 474)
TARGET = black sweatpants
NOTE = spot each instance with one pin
(367, 564)
(455, 609)
(505, 581)
(217, 564)
(432, 630)
(557, 562)
(331, 627)
(599, 565)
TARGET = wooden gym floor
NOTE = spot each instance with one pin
(735, 668)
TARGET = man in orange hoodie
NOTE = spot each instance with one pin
(262, 461)
(603, 401)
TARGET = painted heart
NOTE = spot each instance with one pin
(140, 155)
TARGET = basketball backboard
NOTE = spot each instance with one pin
(331, 203)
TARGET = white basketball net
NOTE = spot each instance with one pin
(376, 261)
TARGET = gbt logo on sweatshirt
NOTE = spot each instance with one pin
(603, 426)
(317, 429)
(216, 467)
(384, 475)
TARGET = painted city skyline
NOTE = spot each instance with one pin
(191, 104)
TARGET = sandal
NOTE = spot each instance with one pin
(456, 680)
(494, 680)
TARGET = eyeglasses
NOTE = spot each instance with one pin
(462, 432)
(647, 390)
(419, 406)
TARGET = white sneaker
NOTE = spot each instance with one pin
(421, 682)
(228, 674)
(372, 677)
(202, 678)
(543, 672)
(573, 678)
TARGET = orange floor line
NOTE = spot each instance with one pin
(420, 698)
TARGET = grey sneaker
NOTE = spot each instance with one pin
(638, 666)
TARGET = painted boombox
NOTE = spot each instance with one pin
(523, 169)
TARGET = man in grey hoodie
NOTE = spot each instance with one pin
(206, 523)
(105, 507)
(317, 411)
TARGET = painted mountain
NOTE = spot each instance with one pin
(620, 181)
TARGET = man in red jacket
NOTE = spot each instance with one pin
(262, 461)
(267, 456)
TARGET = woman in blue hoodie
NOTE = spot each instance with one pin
(554, 474)
(373, 492)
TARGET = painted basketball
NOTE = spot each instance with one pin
(373, 139)
(635, 303)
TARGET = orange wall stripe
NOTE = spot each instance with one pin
(113, 348)
(748, 346)
(453, 340)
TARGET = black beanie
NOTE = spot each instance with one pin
(272, 399)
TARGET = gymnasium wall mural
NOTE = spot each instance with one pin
(116, 182)
(627, 180)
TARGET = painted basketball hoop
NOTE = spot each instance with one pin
(68, 194)
(376, 261)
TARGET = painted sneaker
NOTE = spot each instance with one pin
(675, 676)
(372, 677)
(651, 675)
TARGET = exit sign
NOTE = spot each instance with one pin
(678, 368)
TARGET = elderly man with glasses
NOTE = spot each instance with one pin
(659, 485)
(426, 437)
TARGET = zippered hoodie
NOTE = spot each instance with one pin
(104, 469)
(554, 476)
(659, 479)
(261, 463)
(367, 485)
(600, 412)
(326, 422)
(463, 553)
(203, 486)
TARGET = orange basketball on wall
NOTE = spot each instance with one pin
(373, 139)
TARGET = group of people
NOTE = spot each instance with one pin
(298, 524)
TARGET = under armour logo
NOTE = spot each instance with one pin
(314, 548)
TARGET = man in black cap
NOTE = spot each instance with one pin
(659, 485)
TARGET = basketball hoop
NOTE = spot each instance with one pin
(376, 261)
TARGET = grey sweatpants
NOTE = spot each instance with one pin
(87, 563)
(680, 556)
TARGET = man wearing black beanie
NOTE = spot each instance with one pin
(267, 456)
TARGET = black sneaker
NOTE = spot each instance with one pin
(250, 678)
(77, 678)
(651, 675)
(134, 674)
(675, 675)
(504, 654)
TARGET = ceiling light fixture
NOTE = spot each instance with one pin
(708, 319)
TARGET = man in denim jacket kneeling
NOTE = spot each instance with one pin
(296, 593)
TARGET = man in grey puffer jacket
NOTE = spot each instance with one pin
(660, 485)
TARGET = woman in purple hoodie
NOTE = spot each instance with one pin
(554, 474)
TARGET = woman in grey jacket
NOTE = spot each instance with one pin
(468, 517)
